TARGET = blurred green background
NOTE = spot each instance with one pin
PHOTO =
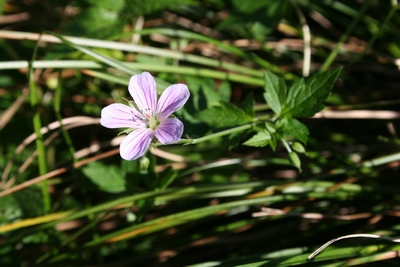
(216, 203)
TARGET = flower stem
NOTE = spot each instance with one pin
(222, 133)
(286, 145)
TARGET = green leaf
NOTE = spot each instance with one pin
(273, 142)
(109, 178)
(204, 91)
(294, 128)
(248, 104)
(136, 8)
(225, 91)
(275, 91)
(270, 127)
(235, 139)
(108, 4)
(225, 115)
(305, 99)
(254, 19)
(295, 160)
(261, 139)
(298, 147)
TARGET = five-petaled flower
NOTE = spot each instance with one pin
(151, 118)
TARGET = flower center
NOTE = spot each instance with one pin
(153, 122)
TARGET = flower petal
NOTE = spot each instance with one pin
(121, 116)
(169, 131)
(172, 99)
(143, 90)
(135, 144)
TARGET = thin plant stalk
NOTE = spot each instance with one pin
(57, 108)
(37, 125)
(306, 39)
(344, 37)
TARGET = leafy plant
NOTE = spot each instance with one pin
(229, 192)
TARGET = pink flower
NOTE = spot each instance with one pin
(150, 118)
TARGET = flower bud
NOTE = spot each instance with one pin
(144, 163)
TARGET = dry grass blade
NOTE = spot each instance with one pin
(78, 121)
(57, 172)
(7, 115)
(358, 114)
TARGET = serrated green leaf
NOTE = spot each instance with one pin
(305, 99)
(275, 91)
(294, 128)
(225, 115)
(293, 91)
(235, 139)
(109, 178)
(259, 140)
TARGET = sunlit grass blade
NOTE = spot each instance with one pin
(226, 47)
(33, 221)
(136, 68)
(210, 62)
(355, 255)
(176, 219)
(169, 194)
(103, 58)
(183, 217)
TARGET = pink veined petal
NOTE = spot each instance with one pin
(169, 131)
(172, 99)
(135, 144)
(143, 90)
(121, 116)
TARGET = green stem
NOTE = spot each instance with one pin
(261, 107)
(381, 28)
(211, 136)
(37, 125)
(286, 145)
(57, 108)
(344, 37)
